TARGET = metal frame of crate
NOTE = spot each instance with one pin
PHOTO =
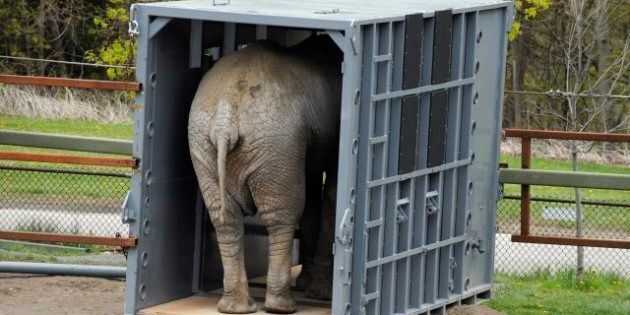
(419, 146)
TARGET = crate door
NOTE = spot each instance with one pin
(413, 156)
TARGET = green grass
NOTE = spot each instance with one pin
(86, 128)
(560, 293)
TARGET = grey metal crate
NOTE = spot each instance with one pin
(419, 145)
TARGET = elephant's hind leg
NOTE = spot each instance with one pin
(280, 202)
(236, 298)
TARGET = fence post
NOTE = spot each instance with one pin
(526, 159)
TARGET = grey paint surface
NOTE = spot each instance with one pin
(164, 188)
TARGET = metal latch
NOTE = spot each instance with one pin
(475, 243)
(128, 215)
(432, 202)
(346, 227)
(133, 22)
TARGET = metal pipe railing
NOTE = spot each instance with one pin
(63, 269)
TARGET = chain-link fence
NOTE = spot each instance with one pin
(558, 216)
(60, 198)
(86, 201)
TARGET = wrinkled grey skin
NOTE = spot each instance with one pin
(263, 127)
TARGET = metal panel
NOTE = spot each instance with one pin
(163, 190)
(414, 28)
(441, 72)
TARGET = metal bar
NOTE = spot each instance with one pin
(68, 238)
(565, 179)
(60, 171)
(196, 33)
(418, 173)
(68, 159)
(71, 83)
(526, 158)
(65, 142)
(566, 135)
(63, 269)
(423, 89)
(571, 241)
(584, 202)
(157, 25)
(415, 251)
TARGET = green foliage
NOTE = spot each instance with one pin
(526, 9)
(77, 30)
(118, 48)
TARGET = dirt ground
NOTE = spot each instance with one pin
(27, 295)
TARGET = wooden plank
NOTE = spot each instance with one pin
(71, 83)
(566, 135)
(68, 238)
(565, 179)
(571, 241)
(207, 305)
(68, 159)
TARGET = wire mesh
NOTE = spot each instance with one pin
(67, 199)
(554, 216)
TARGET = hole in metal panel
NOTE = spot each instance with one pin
(153, 80)
(353, 195)
(150, 129)
(355, 146)
(479, 36)
(148, 177)
(467, 284)
(477, 66)
(143, 291)
(357, 97)
(472, 156)
(146, 226)
(145, 259)
(473, 127)
(476, 98)
(470, 188)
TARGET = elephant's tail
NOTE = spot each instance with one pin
(225, 136)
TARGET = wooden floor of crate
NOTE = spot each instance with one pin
(206, 304)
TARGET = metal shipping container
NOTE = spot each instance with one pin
(419, 146)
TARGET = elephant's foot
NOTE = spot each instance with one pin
(237, 304)
(282, 303)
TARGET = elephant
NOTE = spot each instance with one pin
(263, 127)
